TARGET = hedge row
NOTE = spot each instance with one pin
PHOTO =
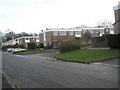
(113, 41)
(69, 46)
(32, 45)
(12, 46)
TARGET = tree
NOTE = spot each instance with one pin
(105, 23)
(87, 35)
(22, 34)
(9, 36)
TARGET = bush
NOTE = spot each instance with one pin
(17, 46)
(113, 41)
(49, 47)
(41, 45)
(5, 47)
(69, 46)
(87, 35)
(32, 46)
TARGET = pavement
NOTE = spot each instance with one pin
(32, 71)
(111, 62)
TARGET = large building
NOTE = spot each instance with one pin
(117, 19)
(0, 39)
(23, 40)
(54, 36)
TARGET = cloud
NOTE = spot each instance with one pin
(34, 15)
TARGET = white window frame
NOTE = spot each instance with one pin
(55, 33)
(62, 33)
(77, 33)
(71, 32)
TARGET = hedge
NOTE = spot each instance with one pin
(69, 46)
(12, 46)
(32, 46)
(113, 41)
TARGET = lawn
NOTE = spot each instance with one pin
(87, 56)
(29, 52)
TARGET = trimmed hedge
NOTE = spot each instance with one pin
(113, 41)
(69, 46)
(12, 46)
(49, 47)
(32, 46)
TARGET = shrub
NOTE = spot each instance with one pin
(5, 47)
(49, 47)
(18, 46)
(113, 41)
(32, 46)
(41, 45)
(87, 35)
(69, 46)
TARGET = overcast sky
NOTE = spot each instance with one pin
(35, 15)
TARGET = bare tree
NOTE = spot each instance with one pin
(105, 23)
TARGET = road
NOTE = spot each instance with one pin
(31, 71)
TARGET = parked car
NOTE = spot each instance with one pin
(10, 49)
(18, 50)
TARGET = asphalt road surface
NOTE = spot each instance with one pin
(29, 71)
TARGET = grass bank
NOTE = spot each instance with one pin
(29, 52)
(87, 56)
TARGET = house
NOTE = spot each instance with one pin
(23, 40)
(0, 39)
(117, 19)
(54, 36)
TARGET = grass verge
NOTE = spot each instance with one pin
(87, 56)
(28, 52)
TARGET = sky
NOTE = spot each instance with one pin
(32, 16)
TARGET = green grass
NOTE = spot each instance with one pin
(29, 52)
(87, 56)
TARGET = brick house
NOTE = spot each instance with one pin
(54, 36)
(117, 19)
(57, 35)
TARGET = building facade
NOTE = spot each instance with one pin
(0, 39)
(54, 36)
(117, 19)
(23, 41)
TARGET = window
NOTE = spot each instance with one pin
(71, 33)
(62, 33)
(37, 38)
(77, 33)
(55, 33)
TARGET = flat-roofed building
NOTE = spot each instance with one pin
(54, 36)
(23, 40)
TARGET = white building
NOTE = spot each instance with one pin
(23, 40)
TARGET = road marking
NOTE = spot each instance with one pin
(12, 84)
(48, 58)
